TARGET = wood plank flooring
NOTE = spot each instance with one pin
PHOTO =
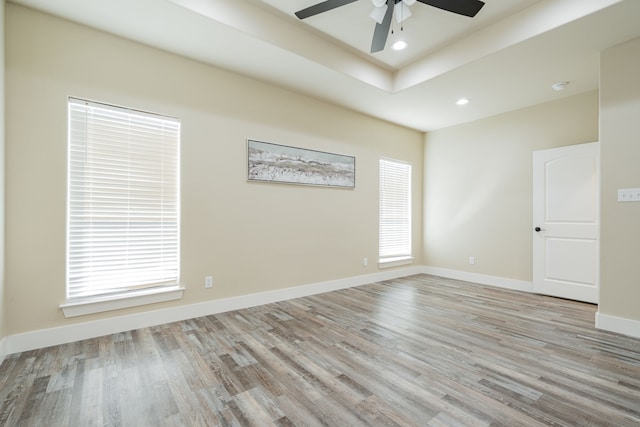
(417, 351)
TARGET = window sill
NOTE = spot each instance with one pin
(90, 305)
(395, 262)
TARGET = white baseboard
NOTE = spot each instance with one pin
(483, 279)
(3, 349)
(618, 324)
(47, 337)
(54, 336)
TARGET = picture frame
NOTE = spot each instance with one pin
(276, 163)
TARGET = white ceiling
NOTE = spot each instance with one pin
(505, 58)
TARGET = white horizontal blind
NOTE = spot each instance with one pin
(395, 209)
(123, 213)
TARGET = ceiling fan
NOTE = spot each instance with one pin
(384, 9)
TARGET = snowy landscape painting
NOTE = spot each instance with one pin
(280, 163)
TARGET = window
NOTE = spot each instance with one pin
(123, 202)
(395, 213)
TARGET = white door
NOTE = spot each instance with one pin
(566, 222)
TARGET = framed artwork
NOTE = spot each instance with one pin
(290, 165)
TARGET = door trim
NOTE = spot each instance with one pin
(539, 245)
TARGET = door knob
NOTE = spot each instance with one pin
(538, 229)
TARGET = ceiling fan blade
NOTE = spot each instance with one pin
(461, 7)
(381, 32)
(321, 7)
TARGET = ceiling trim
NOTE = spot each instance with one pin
(268, 27)
(529, 23)
(281, 32)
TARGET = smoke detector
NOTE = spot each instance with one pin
(559, 86)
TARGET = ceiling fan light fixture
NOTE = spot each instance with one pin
(402, 11)
(409, 2)
(399, 45)
(378, 13)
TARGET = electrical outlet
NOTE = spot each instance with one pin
(365, 261)
(208, 282)
(629, 195)
(472, 260)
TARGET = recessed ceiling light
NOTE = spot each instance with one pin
(462, 101)
(399, 45)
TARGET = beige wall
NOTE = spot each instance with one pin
(2, 310)
(620, 151)
(250, 237)
(478, 184)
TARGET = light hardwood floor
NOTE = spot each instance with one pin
(418, 351)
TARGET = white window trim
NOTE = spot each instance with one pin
(398, 259)
(395, 262)
(126, 298)
(98, 304)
